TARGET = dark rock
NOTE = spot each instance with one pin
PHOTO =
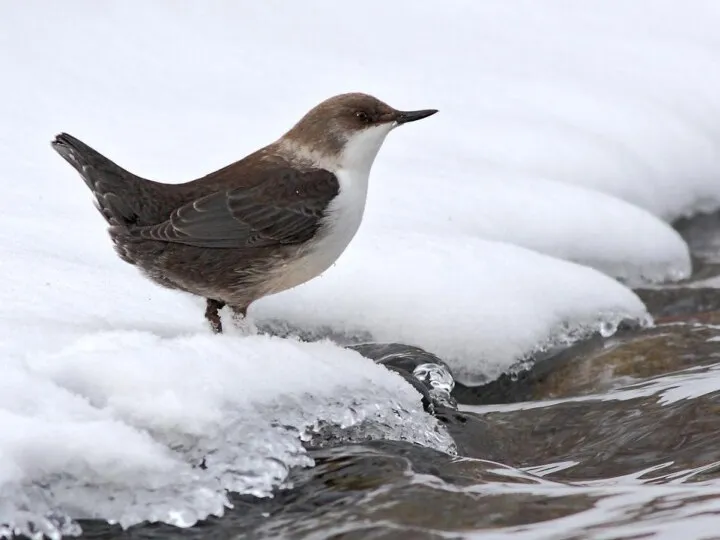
(417, 366)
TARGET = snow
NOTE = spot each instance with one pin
(569, 134)
(117, 423)
(568, 222)
(469, 301)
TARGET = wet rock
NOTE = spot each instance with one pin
(407, 357)
(473, 434)
(420, 386)
(417, 366)
(702, 234)
(680, 302)
(598, 365)
(664, 349)
(521, 386)
(701, 292)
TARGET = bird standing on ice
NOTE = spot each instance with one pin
(271, 221)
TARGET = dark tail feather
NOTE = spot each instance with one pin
(113, 186)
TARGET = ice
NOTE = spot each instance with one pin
(116, 425)
(567, 134)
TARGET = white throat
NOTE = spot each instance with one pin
(353, 171)
(362, 148)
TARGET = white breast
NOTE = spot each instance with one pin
(344, 213)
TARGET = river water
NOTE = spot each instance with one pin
(612, 438)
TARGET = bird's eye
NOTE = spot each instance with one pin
(362, 116)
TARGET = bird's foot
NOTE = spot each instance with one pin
(212, 314)
(241, 321)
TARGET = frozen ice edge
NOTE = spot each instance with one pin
(566, 334)
(205, 494)
(249, 449)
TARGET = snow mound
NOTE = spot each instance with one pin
(127, 426)
(558, 219)
(481, 306)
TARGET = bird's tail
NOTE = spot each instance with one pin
(117, 191)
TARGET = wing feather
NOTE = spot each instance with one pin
(285, 209)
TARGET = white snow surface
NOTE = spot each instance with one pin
(568, 133)
(480, 305)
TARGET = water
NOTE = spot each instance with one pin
(614, 437)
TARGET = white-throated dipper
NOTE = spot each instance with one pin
(271, 221)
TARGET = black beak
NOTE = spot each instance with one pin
(403, 117)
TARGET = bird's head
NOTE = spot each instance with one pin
(349, 129)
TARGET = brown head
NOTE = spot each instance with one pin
(348, 128)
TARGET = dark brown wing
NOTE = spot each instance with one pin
(285, 209)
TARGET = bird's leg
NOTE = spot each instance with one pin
(212, 314)
(239, 314)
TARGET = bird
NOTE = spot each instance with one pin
(271, 221)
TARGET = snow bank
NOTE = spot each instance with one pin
(558, 219)
(116, 425)
(479, 305)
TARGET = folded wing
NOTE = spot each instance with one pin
(285, 209)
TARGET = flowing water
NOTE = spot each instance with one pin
(612, 438)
